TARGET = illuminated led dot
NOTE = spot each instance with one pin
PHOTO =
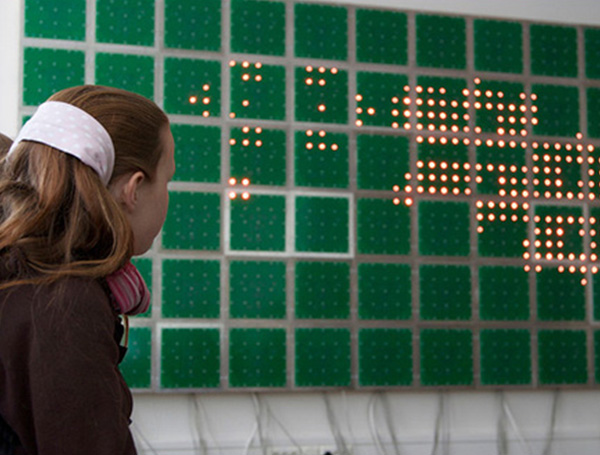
(334, 147)
(322, 82)
(527, 268)
(334, 70)
(358, 97)
(370, 111)
(232, 63)
(245, 103)
(232, 195)
(193, 99)
(309, 81)
(245, 181)
(232, 115)
(258, 65)
(396, 201)
(232, 141)
(245, 77)
(322, 69)
(245, 64)
(246, 142)
(245, 195)
(258, 143)
(205, 114)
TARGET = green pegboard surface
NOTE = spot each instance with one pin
(257, 91)
(385, 357)
(134, 73)
(382, 161)
(321, 159)
(383, 228)
(193, 25)
(503, 293)
(562, 357)
(197, 153)
(321, 31)
(257, 290)
(191, 288)
(384, 291)
(144, 266)
(258, 27)
(193, 222)
(46, 71)
(498, 46)
(495, 114)
(558, 110)
(505, 357)
(190, 358)
(502, 229)
(593, 117)
(553, 50)
(445, 292)
(125, 22)
(444, 228)
(192, 87)
(592, 53)
(442, 103)
(379, 98)
(55, 19)
(597, 355)
(322, 224)
(137, 365)
(322, 357)
(322, 290)
(381, 37)
(258, 224)
(321, 94)
(502, 169)
(446, 357)
(441, 41)
(560, 296)
(257, 357)
(259, 155)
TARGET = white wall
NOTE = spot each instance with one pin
(466, 422)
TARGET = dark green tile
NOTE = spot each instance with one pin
(197, 153)
(503, 169)
(558, 110)
(322, 357)
(385, 357)
(562, 357)
(505, 357)
(258, 224)
(259, 155)
(322, 224)
(377, 94)
(191, 289)
(494, 115)
(322, 290)
(134, 73)
(257, 357)
(381, 37)
(441, 42)
(258, 27)
(445, 292)
(384, 291)
(498, 46)
(592, 53)
(503, 293)
(321, 95)
(55, 19)
(559, 232)
(321, 159)
(593, 112)
(442, 105)
(444, 228)
(560, 296)
(446, 357)
(553, 50)
(137, 365)
(383, 228)
(258, 91)
(382, 161)
(257, 290)
(193, 25)
(125, 22)
(501, 229)
(321, 31)
(597, 355)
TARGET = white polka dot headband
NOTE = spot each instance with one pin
(73, 131)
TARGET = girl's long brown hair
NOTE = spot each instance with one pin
(57, 211)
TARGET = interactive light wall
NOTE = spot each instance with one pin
(364, 198)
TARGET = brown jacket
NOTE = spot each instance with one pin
(60, 387)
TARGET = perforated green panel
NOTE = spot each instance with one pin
(503, 293)
(321, 95)
(441, 41)
(258, 27)
(258, 223)
(137, 365)
(322, 224)
(505, 357)
(258, 91)
(125, 22)
(321, 159)
(381, 37)
(259, 155)
(257, 290)
(197, 153)
(384, 291)
(322, 357)
(445, 292)
(498, 46)
(562, 356)
(129, 72)
(193, 25)
(55, 19)
(385, 357)
(322, 290)
(321, 31)
(553, 50)
(446, 357)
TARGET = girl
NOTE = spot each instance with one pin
(82, 189)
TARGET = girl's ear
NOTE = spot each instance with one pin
(126, 190)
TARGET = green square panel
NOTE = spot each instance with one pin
(553, 50)
(558, 110)
(321, 159)
(383, 227)
(384, 291)
(257, 357)
(322, 290)
(190, 358)
(322, 357)
(46, 71)
(441, 42)
(382, 161)
(191, 289)
(190, 24)
(125, 22)
(258, 223)
(445, 292)
(257, 290)
(322, 224)
(134, 73)
(562, 357)
(259, 155)
(257, 91)
(443, 168)
(498, 46)
(381, 37)
(560, 296)
(557, 171)
(55, 19)
(444, 228)
(197, 153)
(385, 357)
(558, 233)
(321, 31)
(321, 95)
(505, 357)
(137, 364)
(378, 99)
(192, 87)
(499, 109)
(258, 27)
(446, 357)
(501, 171)
(503, 293)
(193, 222)
(501, 229)
(597, 355)
(440, 105)
(593, 112)
(144, 266)
(596, 296)
(592, 53)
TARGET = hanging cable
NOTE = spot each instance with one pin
(335, 430)
(501, 433)
(373, 426)
(550, 437)
(198, 441)
(442, 434)
(507, 411)
(199, 406)
(138, 434)
(278, 422)
(389, 421)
